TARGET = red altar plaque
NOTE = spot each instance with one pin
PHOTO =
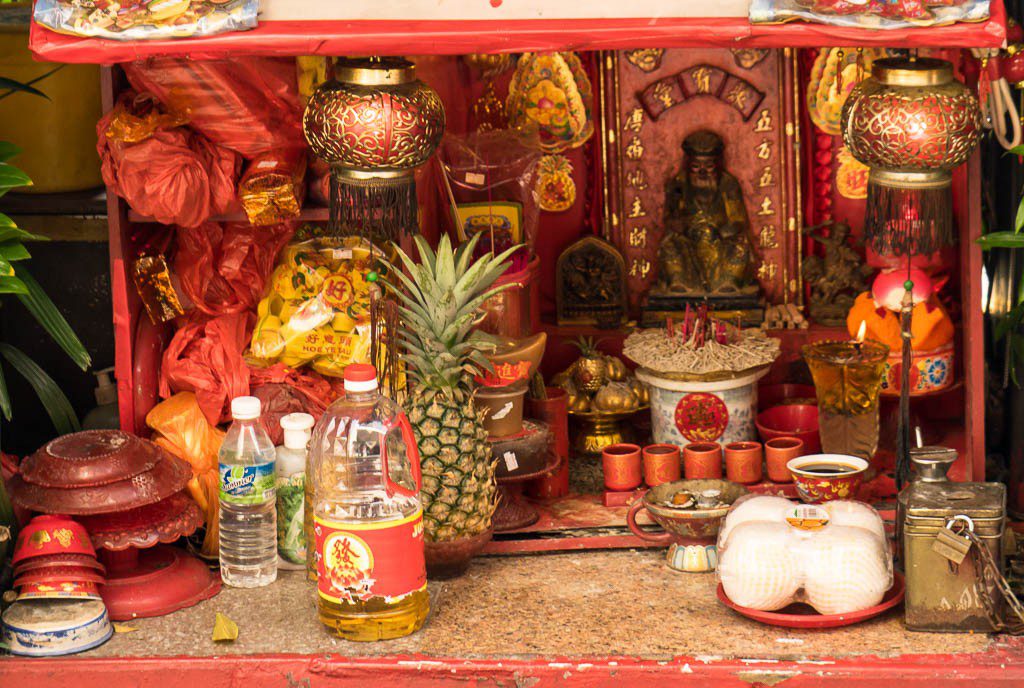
(654, 99)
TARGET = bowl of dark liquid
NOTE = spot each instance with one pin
(824, 477)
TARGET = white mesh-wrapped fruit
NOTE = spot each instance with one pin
(846, 570)
(753, 508)
(758, 571)
(845, 512)
(774, 552)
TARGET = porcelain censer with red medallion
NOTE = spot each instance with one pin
(129, 495)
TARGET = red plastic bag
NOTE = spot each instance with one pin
(177, 177)
(223, 268)
(283, 390)
(249, 104)
(171, 174)
(205, 357)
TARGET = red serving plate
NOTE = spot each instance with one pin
(803, 616)
(60, 574)
(36, 563)
(168, 475)
(165, 521)
(89, 458)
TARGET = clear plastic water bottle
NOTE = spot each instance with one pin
(248, 509)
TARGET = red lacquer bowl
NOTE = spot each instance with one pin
(51, 535)
(60, 574)
(36, 563)
(788, 393)
(791, 420)
(815, 487)
(51, 591)
(804, 616)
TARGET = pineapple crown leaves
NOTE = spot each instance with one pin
(438, 298)
(587, 345)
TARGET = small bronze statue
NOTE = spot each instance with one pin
(837, 277)
(590, 284)
(706, 249)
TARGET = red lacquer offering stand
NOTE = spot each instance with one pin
(128, 493)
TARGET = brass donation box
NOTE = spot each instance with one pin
(943, 595)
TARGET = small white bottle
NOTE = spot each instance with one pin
(291, 491)
(248, 509)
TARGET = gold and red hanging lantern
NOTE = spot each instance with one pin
(911, 122)
(374, 124)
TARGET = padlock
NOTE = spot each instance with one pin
(950, 545)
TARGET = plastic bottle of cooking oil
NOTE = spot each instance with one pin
(363, 475)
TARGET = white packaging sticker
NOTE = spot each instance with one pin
(510, 461)
(503, 411)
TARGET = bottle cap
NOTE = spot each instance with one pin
(296, 428)
(360, 377)
(245, 408)
(106, 390)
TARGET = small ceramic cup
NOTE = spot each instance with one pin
(621, 464)
(661, 464)
(777, 453)
(702, 460)
(743, 462)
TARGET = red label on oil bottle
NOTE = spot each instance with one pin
(359, 561)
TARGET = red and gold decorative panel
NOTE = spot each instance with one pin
(653, 100)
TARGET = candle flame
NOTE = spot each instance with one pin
(862, 331)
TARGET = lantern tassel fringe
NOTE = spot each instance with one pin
(382, 208)
(908, 221)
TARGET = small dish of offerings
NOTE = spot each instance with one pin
(134, 20)
(600, 384)
(832, 557)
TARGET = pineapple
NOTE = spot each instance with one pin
(590, 371)
(438, 301)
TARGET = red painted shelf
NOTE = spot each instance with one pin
(461, 36)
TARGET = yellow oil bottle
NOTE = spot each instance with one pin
(367, 522)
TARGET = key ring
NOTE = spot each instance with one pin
(962, 519)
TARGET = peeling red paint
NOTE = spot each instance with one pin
(1001, 666)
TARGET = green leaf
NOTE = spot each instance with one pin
(12, 178)
(1010, 321)
(1001, 240)
(12, 285)
(1019, 221)
(12, 85)
(5, 402)
(8, 150)
(12, 251)
(9, 232)
(1016, 150)
(42, 308)
(57, 406)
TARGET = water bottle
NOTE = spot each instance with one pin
(248, 509)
